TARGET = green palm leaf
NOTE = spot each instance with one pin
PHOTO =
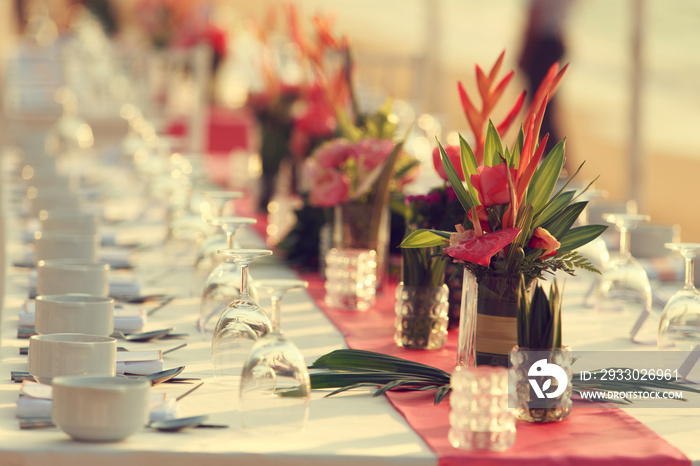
(577, 237)
(425, 239)
(462, 194)
(545, 177)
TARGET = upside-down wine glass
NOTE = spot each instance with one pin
(624, 284)
(216, 201)
(680, 321)
(240, 325)
(213, 239)
(223, 284)
(275, 388)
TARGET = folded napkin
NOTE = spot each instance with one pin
(35, 401)
(139, 362)
(123, 284)
(127, 318)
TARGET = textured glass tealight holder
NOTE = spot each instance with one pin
(351, 278)
(421, 316)
(480, 418)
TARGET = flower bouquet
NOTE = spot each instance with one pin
(296, 107)
(349, 180)
(516, 226)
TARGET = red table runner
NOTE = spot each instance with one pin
(606, 436)
(601, 436)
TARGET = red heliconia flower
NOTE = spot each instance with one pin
(490, 93)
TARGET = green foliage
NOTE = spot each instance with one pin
(493, 147)
(426, 239)
(347, 369)
(469, 165)
(380, 124)
(539, 318)
(462, 194)
(423, 266)
(545, 177)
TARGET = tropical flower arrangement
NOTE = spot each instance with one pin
(361, 166)
(515, 223)
(181, 24)
(296, 111)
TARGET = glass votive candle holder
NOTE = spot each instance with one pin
(480, 416)
(351, 278)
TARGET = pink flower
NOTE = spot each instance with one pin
(333, 153)
(371, 153)
(467, 246)
(329, 188)
(492, 184)
(453, 153)
(542, 239)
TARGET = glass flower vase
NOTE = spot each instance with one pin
(364, 225)
(488, 319)
(534, 400)
(421, 316)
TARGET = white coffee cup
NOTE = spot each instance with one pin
(71, 354)
(59, 276)
(66, 245)
(99, 409)
(74, 313)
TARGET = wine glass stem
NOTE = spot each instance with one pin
(230, 235)
(244, 278)
(276, 314)
(689, 272)
(624, 240)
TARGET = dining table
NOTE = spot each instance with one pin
(349, 428)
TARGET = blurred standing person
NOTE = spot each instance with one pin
(544, 44)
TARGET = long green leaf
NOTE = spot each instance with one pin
(493, 146)
(462, 194)
(349, 359)
(577, 237)
(559, 225)
(469, 165)
(425, 239)
(554, 206)
(545, 178)
(518, 147)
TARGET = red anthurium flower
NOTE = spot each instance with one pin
(453, 153)
(467, 246)
(492, 184)
(542, 239)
